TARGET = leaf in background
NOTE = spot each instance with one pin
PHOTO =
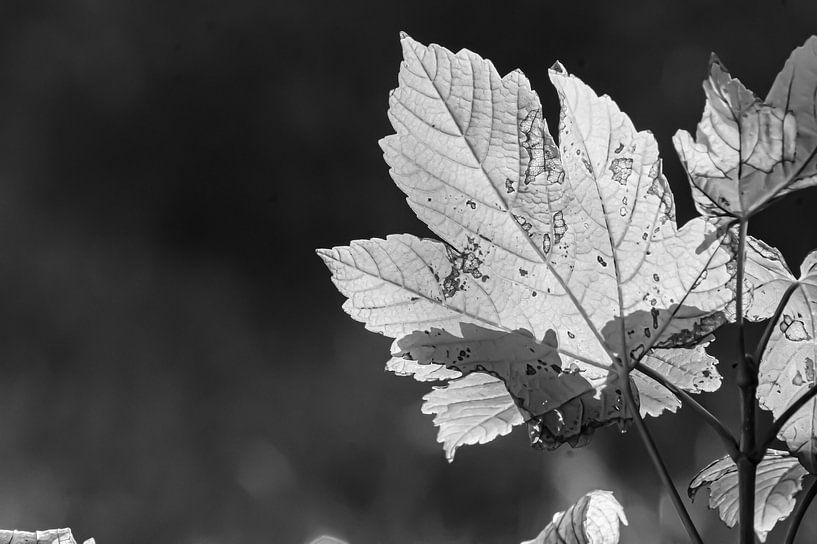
(787, 366)
(779, 478)
(576, 243)
(748, 151)
(471, 410)
(51, 536)
(594, 519)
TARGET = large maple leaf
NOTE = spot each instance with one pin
(560, 267)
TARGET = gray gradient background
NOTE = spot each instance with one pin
(174, 362)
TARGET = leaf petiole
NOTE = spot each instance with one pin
(658, 462)
(728, 440)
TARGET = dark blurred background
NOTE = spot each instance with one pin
(174, 362)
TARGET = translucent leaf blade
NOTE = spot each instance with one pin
(471, 410)
(577, 240)
(787, 367)
(51, 536)
(747, 151)
(594, 519)
(561, 402)
(779, 478)
(692, 370)
(793, 90)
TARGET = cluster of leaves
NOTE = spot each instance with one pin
(562, 294)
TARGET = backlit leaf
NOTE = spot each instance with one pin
(471, 410)
(594, 519)
(787, 366)
(748, 151)
(51, 536)
(779, 478)
(571, 251)
(560, 402)
(690, 369)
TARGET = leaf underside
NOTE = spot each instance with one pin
(779, 478)
(471, 410)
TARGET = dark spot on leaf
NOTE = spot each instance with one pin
(700, 329)
(559, 227)
(654, 313)
(793, 329)
(530, 128)
(621, 169)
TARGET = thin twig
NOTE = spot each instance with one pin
(800, 512)
(660, 467)
(767, 332)
(728, 440)
(747, 382)
(778, 424)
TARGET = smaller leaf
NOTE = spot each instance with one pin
(51, 536)
(786, 369)
(471, 410)
(748, 151)
(779, 478)
(594, 519)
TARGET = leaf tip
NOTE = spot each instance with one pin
(716, 68)
(326, 255)
(558, 68)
